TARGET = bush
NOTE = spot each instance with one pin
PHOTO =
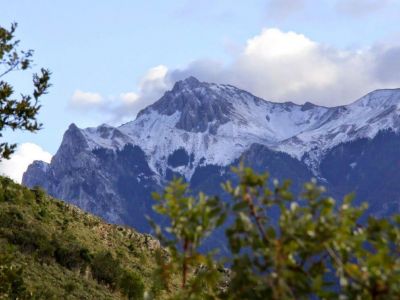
(12, 285)
(12, 218)
(9, 191)
(71, 255)
(12, 192)
(131, 285)
(33, 240)
(40, 194)
(106, 269)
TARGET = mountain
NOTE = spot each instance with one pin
(52, 250)
(199, 130)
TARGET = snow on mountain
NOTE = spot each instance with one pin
(199, 130)
(216, 123)
(378, 110)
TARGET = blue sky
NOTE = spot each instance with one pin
(111, 58)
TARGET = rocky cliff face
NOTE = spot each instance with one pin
(199, 130)
(202, 108)
(115, 185)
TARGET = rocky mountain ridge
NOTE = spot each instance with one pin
(198, 130)
(206, 119)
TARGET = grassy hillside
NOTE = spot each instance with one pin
(61, 252)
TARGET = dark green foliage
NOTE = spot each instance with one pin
(315, 248)
(39, 193)
(106, 269)
(32, 240)
(131, 285)
(71, 255)
(11, 217)
(192, 220)
(9, 192)
(12, 285)
(18, 112)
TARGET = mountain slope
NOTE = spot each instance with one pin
(198, 131)
(368, 167)
(377, 111)
(66, 253)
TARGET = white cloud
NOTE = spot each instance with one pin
(287, 66)
(283, 65)
(117, 110)
(129, 97)
(154, 74)
(150, 88)
(153, 85)
(275, 65)
(25, 154)
(83, 99)
(273, 43)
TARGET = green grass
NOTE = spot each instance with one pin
(66, 253)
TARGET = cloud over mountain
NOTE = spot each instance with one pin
(283, 66)
(275, 65)
(26, 153)
(121, 108)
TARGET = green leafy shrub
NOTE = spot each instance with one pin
(39, 193)
(33, 240)
(71, 255)
(9, 192)
(12, 285)
(106, 269)
(11, 217)
(131, 285)
(313, 248)
(191, 222)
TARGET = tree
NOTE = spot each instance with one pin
(312, 248)
(192, 220)
(18, 112)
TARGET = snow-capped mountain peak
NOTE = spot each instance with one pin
(199, 130)
(379, 98)
(215, 123)
(364, 118)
